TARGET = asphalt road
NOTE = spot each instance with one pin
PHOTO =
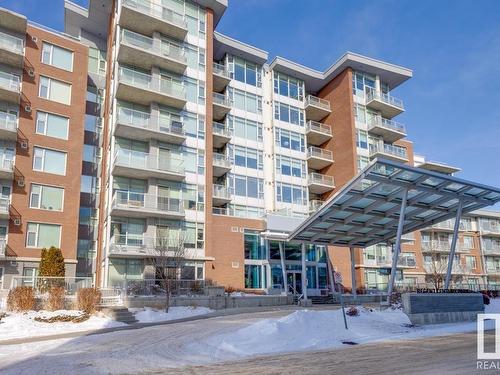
(452, 354)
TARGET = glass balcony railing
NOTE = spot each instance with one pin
(386, 98)
(317, 102)
(4, 205)
(11, 43)
(146, 81)
(315, 204)
(221, 129)
(8, 121)
(166, 49)
(151, 202)
(221, 99)
(221, 70)
(143, 160)
(316, 152)
(6, 164)
(9, 81)
(382, 122)
(157, 11)
(221, 191)
(318, 178)
(388, 149)
(221, 160)
(318, 127)
(161, 124)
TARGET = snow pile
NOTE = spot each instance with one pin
(149, 315)
(21, 325)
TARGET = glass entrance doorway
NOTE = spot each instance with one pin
(294, 282)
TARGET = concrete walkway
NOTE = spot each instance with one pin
(217, 313)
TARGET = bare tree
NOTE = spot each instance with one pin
(437, 268)
(168, 258)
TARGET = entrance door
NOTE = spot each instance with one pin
(294, 281)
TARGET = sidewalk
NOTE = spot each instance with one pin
(215, 314)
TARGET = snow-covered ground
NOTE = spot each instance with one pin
(20, 325)
(149, 315)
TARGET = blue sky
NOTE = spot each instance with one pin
(453, 100)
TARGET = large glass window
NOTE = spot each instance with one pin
(43, 235)
(97, 61)
(291, 193)
(245, 71)
(52, 125)
(288, 113)
(289, 140)
(253, 279)
(254, 247)
(246, 186)
(288, 86)
(55, 90)
(247, 157)
(290, 166)
(362, 139)
(246, 101)
(46, 197)
(57, 56)
(49, 161)
(246, 129)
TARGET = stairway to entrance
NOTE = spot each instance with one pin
(120, 314)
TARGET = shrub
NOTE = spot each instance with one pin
(352, 311)
(229, 289)
(21, 298)
(56, 298)
(88, 299)
(52, 263)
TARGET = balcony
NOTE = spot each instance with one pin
(146, 17)
(221, 133)
(389, 130)
(221, 77)
(442, 247)
(129, 204)
(11, 50)
(314, 205)
(386, 151)
(221, 105)
(221, 164)
(144, 52)
(387, 105)
(491, 248)
(385, 261)
(441, 267)
(136, 164)
(316, 108)
(220, 195)
(3, 245)
(142, 126)
(317, 133)
(10, 87)
(490, 227)
(6, 168)
(318, 158)
(319, 183)
(8, 126)
(4, 208)
(449, 225)
(142, 88)
(489, 270)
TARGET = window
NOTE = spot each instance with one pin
(253, 276)
(46, 197)
(362, 139)
(43, 235)
(288, 86)
(246, 157)
(244, 128)
(468, 242)
(245, 71)
(470, 262)
(52, 125)
(290, 166)
(55, 90)
(246, 186)
(363, 161)
(245, 101)
(254, 247)
(291, 194)
(57, 56)
(289, 140)
(97, 61)
(288, 113)
(49, 161)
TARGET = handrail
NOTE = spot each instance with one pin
(139, 119)
(128, 199)
(10, 81)
(221, 70)
(318, 102)
(386, 123)
(221, 99)
(221, 160)
(11, 42)
(319, 178)
(373, 94)
(139, 159)
(8, 121)
(166, 48)
(318, 127)
(313, 151)
(158, 11)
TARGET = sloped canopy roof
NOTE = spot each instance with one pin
(366, 211)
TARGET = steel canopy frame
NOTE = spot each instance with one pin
(388, 199)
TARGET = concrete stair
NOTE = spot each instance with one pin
(120, 314)
(322, 300)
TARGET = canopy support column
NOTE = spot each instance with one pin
(453, 244)
(304, 274)
(329, 261)
(397, 248)
(353, 272)
(283, 267)
(331, 272)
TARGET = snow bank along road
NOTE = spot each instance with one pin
(212, 340)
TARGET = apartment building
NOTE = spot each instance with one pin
(177, 131)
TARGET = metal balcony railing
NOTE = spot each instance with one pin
(221, 191)
(163, 48)
(158, 11)
(8, 121)
(221, 129)
(221, 99)
(490, 226)
(128, 199)
(318, 127)
(146, 81)
(9, 81)
(318, 178)
(11, 43)
(162, 124)
(386, 98)
(316, 152)
(382, 122)
(221, 160)
(317, 102)
(389, 150)
(221, 70)
(142, 160)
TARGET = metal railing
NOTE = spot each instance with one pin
(221, 99)
(11, 43)
(221, 70)
(158, 11)
(161, 124)
(490, 226)
(490, 249)
(163, 48)
(157, 287)
(221, 129)
(8, 121)
(9, 81)
(128, 199)
(41, 284)
(316, 152)
(318, 127)
(386, 98)
(221, 191)
(382, 122)
(143, 160)
(322, 179)
(146, 81)
(389, 150)
(443, 246)
(138, 243)
(221, 160)
(317, 102)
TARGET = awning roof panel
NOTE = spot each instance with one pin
(366, 211)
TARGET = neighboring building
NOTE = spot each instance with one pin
(176, 128)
